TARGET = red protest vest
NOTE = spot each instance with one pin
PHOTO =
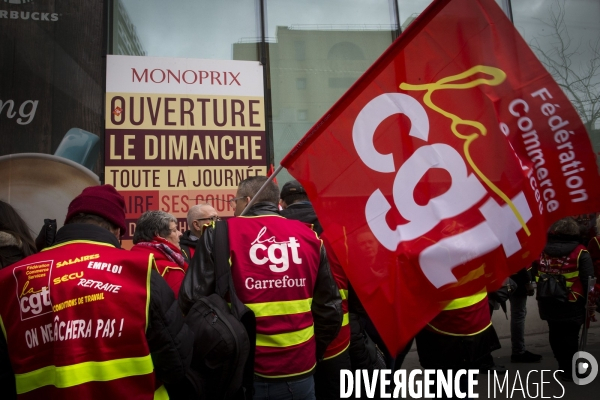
(466, 316)
(568, 266)
(342, 340)
(274, 264)
(74, 317)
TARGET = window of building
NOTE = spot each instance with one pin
(341, 83)
(300, 50)
(345, 51)
(302, 115)
(300, 83)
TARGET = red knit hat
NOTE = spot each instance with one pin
(104, 201)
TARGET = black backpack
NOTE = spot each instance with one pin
(223, 360)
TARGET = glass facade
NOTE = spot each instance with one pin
(312, 51)
(314, 57)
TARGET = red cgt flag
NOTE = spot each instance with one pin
(438, 173)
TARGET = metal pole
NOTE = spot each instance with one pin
(586, 321)
(253, 199)
(507, 7)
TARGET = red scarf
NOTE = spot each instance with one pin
(167, 248)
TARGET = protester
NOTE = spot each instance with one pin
(587, 227)
(461, 336)
(518, 312)
(296, 205)
(93, 321)
(565, 264)
(197, 216)
(156, 233)
(594, 249)
(280, 271)
(16, 242)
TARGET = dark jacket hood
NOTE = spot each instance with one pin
(90, 232)
(303, 212)
(559, 248)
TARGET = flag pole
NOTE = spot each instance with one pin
(253, 199)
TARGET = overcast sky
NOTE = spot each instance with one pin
(208, 29)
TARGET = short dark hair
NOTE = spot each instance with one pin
(92, 219)
(294, 198)
(153, 223)
(250, 186)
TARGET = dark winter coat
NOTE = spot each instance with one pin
(187, 242)
(303, 211)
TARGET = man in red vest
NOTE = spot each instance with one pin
(280, 271)
(84, 319)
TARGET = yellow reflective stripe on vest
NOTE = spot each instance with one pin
(273, 308)
(344, 294)
(161, 393)
(463, 302)
(78, 241)
(458, 334)
(285, 339)
(3, 329)
(570, 275)
(77, 374)
(338, 353)
(345, 319)
(151, 264)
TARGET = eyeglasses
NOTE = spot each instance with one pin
(233, 201)
(214, 218)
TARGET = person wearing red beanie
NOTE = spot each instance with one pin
(103, 201)
(100, 310)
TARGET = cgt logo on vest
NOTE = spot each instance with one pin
(277, 252)
(33, 289)
(264, 250)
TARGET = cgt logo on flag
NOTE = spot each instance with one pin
(452, 154)
(465, 191)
